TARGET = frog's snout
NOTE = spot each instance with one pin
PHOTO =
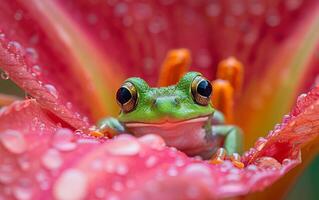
(167, 104)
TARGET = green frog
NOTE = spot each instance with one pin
(181, 114)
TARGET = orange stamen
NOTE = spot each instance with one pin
(219, 157)
(231, 70)
(223, 98)
(175, 65)
(7, 99)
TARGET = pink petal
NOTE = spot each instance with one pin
(123, 168)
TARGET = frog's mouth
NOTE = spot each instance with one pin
(184, 134)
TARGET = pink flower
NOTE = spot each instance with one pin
(71, 56)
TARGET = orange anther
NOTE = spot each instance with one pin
(175, 65)
(235, 158)
(223, 98)
(231, 70)
(219, 156)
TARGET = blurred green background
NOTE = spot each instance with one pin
(307, 186)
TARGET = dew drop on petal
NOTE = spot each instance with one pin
(31, 55)
(13, 141)
(124, 147)
(197, 169)
(71, 185)
(121, 169)
(152, 140)
(36, 70)
(24, 163)
(14, 47)
(52, 90)
(52, 159)
(260, 143)
(23, 193)
(117, 186)
(69, 105)
(172, 171)
(4, 75)
(7, 174)
(100, 193)
(63, 140)
(267, 163)
(151, 161)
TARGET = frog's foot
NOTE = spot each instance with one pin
(236, 160)
(221, 155)
(108, 127)
(107, 132)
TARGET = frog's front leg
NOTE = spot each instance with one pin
(232, 144)
(109, 127)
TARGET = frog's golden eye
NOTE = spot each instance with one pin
(201, 90)
(126, 97)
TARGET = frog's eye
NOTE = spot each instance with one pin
(126, 97)
(201, 90)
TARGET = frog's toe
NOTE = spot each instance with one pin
(236, 160)
(105, 132)
(219, 156)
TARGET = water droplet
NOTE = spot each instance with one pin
(2, 37)
(157, 25)
(172, 171)
(260, 143)
(14, 47)
(63, 140)
(100, 193)
(18, 15)
(213, 10)
(293, 4)
(36, 70)
(117, 186)
(197, 170)
(273, 18)
(4, 75)
(71, 185)
(13, 141)
(52, 159)
(252, 167)
(92, 18)
(267, 163)
(302, 129)
(151, 161)
(124, 147)
(152, 140)
(69, 105)
(286, 161)
(97, 165)
(52, 90)
(31, 55)
(121, 169)
(7, 174)
(23, 193)
(120, 9)
(24, 163)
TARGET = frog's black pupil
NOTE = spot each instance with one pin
(204, 88)
(123, 95)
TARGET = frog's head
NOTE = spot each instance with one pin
(188, 99)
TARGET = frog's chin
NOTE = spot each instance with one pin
(183, 135)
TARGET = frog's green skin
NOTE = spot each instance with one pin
(172, 113)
